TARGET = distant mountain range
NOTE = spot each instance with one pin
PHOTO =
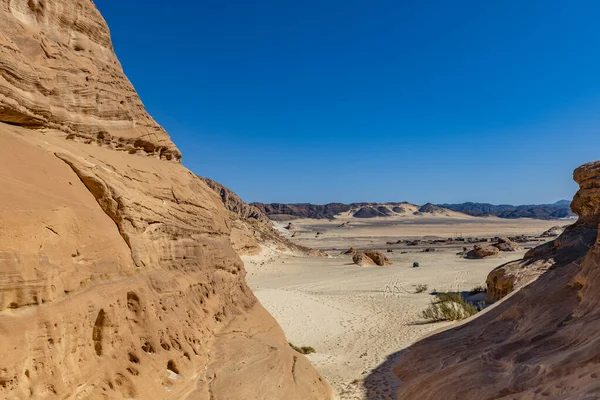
(278, 211)
(560, 209)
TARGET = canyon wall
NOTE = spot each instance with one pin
(118, 278)
(540, 342)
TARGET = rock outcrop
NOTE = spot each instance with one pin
(570, 247)
(553, 232)
(370, 258)
(117, 274)
(251, 229)
(483, 251)
(507, 245)
(362, 260)
(277, 211)
(541, 342)
(235, 204)
(58, 71)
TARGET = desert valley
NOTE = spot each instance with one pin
(125, 275)
(355, 317)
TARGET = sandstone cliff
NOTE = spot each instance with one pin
(541, 342)
(58, 71)
(251, 229)
(117, 274)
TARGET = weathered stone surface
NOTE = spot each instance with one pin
(553, 232)
(58, 71)
(505, 244)
(118, 278)
(362, 260)
(480, 251)
(378, 257)
(540, 342)
(235, 204)
(370, 258)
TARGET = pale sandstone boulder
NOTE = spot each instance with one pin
(571, 246)
(370, 258)
(553, 232)
(507, 245)
(378, 257)
(362, 260)
(251, 229)
(483, 251)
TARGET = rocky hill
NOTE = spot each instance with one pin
(118, 277)
(284, 212)
(431, 209)
(560, 209)
(251, 229)
(541, 342)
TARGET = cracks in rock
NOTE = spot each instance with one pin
(101, 192)
(52, 230)
(174, 196)
(294, 368)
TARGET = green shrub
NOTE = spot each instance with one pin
(420, 288)
(303, 350)
(448, 306)
(442, 297)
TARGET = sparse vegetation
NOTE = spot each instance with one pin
(420, 288)
(449, 306)
(478, 289)
(303, 350)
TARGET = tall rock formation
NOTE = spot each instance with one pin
(58, 71)
(251, 229)
(541, 342)
(117, 274)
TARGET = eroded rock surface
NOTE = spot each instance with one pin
(541, 342)
(118, 278)
(483, 251)
(251, 229)
(369, 258)
(58, 71)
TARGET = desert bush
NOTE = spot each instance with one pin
(448, 306)
(443, 297)
(303, 350)
(420, 288)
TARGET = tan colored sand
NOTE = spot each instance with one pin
(355, 317)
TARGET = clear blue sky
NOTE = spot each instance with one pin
(322, 101)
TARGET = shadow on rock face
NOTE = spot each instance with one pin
(382, 383)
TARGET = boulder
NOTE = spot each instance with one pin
(553, 232)
(505, 244)
(371, 258)
(378, 257)
(480, 251)
(363, 260)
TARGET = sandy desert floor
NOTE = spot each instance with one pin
(354, 316)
